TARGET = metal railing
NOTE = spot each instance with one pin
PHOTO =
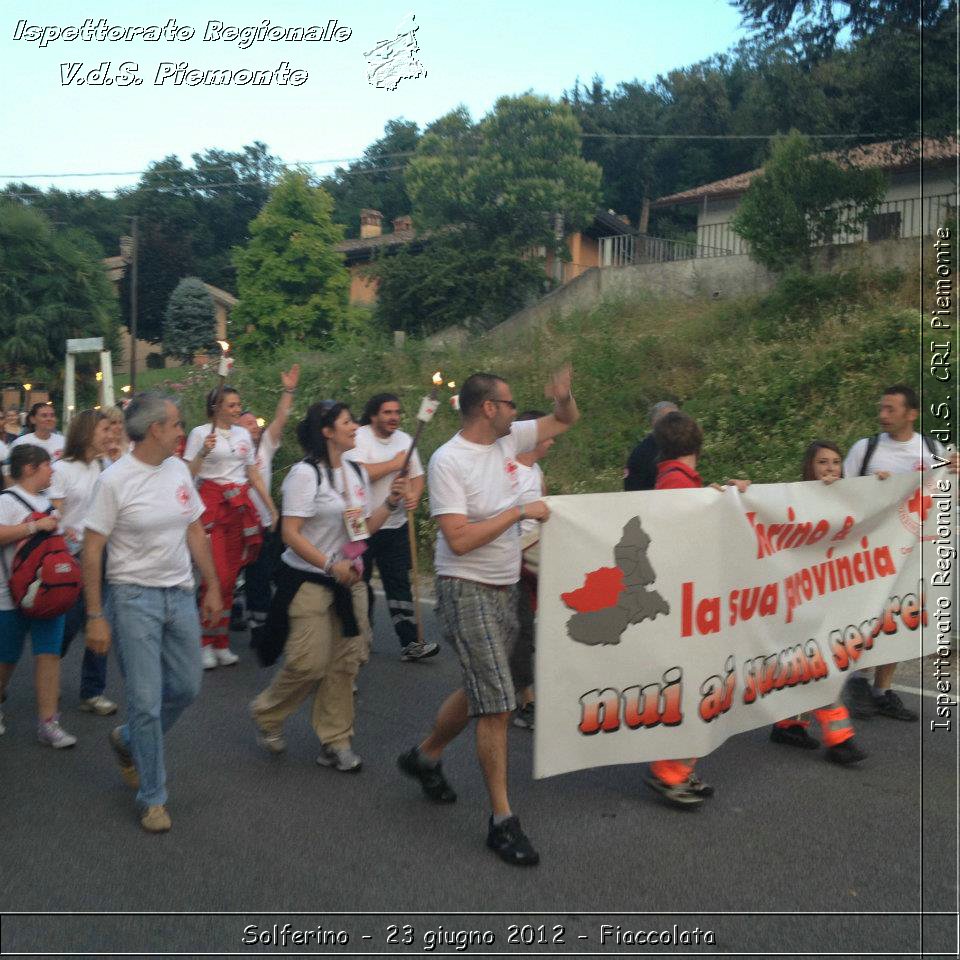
(892, 220)
(625, 249)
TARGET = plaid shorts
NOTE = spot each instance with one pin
(481, 623)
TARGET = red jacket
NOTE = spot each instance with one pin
(674, 475)
(226, 501)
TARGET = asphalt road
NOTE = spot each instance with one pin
(793, 856)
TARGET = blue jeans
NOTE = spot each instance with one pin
(93, 673)
(156, 633)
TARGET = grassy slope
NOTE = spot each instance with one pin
(764, 375)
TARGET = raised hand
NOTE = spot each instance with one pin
(290, 378)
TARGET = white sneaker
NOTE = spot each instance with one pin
(209, 658)
(340, 758)
(99, 705)
(51, 733)
(420, 651)
(225, 657)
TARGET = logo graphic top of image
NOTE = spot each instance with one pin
(391, 61)
(613, 598)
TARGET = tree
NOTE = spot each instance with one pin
(189, 220)
(375, 181)
(453, 279)
(52, 287)
(188, 324)
(802, 200)
(491, 197)
(291, 280)
(821, 21)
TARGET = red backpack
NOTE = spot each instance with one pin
(45, 579)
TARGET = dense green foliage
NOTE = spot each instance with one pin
(497, 195)
(801, 201)
(376, 180)
(189, 220)
(454, 279)
(52, 287)
(291, 281)
(818, 23)
(188, 324)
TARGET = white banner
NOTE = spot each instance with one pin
(671, 620)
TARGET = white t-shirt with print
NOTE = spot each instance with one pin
(894, 456)
(54, 444)
(227, 462)
(480, 481)
(12, 513)
(144, 511)
(373, 449)
(73, 482)
(322, 507)
(264, 464)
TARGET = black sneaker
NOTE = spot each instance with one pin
(890, 705)
(432, 780)
(846, 752)
(698, 788)
(860, 699)
(794, 736)
(678, 794)
(525, 716)
(510, 843)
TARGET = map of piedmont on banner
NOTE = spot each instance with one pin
(671, 620)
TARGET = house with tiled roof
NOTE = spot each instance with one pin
(921, 193)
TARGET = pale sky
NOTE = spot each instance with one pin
(472, 53)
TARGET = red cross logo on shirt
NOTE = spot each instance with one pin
(183, 494)
(920, 504)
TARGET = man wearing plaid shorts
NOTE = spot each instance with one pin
(474, 488)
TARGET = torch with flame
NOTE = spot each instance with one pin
(223, 368)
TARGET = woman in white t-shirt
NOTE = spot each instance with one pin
(320, 607)
(118, 443)
(267, 441)
(223, 460)
(30, 471)
(71, 492)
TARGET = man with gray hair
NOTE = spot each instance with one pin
(146, 510)
(640, 472)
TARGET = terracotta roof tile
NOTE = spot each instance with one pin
(890, 155)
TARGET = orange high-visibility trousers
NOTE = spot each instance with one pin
(834, 720)
(673, 772)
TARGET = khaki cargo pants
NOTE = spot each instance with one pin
(318, 660)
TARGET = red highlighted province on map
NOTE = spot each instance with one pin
(601, 589)
(613, 598)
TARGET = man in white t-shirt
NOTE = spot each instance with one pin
(44, 432)
(382, 448)
(145, 507)
(475, 496)
(898, 449)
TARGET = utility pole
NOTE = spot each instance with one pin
(133, 306)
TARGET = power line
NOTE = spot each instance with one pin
(186, 188)
(410, 153)
(223, 166)
(740, 136)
